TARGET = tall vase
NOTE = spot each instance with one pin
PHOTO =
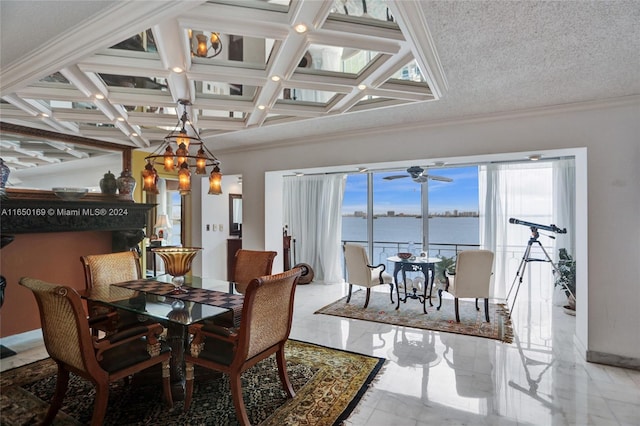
(126, 185)
(177, 262)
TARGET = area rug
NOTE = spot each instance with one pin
(410, 314)
(328, 382)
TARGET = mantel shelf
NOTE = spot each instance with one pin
(42, 213)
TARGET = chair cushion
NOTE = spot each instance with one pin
(129, 354)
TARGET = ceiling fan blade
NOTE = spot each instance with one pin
(395, 177)
(440, 178)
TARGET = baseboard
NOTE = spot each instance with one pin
(614, 360)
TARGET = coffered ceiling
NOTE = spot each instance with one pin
(400, 63)
(352, 56)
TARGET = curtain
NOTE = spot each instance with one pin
(312, 212)
(564, 204)
(524, 191)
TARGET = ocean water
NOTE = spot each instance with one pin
(394, 234)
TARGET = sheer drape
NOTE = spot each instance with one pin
(525, 191)
(564, 204)
(312, 211)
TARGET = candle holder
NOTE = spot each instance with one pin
(177, 262)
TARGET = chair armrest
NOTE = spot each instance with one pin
(382, 268)
(382, 265)
(214, 331)
(151, 332)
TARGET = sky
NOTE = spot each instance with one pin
(403, 195)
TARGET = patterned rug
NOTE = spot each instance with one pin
(328, 383)
(410, 314)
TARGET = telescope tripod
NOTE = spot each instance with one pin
(526, 258)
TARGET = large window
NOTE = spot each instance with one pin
(389, 212)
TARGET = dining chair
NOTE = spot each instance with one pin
(68, 340)
(250, 264)
(264, 329)
(471, 279)
(102, 270)
(361, 272)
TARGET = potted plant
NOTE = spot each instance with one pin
(447, 264)
(566, 278)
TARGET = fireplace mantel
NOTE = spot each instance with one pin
(29, 211)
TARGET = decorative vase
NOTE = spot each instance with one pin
(108, 184)
(126, 184)
(177, 262)
(4, 177)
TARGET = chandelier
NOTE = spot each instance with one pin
(205, 47)
(175, 154)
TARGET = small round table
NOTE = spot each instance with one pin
(426, 265)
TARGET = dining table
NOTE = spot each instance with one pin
(154, 298)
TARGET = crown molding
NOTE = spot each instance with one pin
(97, 32)
(471, 119)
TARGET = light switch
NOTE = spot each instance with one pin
(214, 227)
(220, 227)
(208, 227)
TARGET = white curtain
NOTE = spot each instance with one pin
(564, 204)
(524, 191)
(312, 212)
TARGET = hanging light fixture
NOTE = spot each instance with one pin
(205, 47)
(174, 154)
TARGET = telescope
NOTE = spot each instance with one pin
(550, 228)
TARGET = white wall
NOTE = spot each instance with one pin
(609, 256)
(214, 210)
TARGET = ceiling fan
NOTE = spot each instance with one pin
(418, 175)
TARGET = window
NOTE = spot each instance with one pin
(437, 217)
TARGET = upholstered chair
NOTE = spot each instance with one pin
(105, 270)
(250, 264)
(471, 279)
(361, 272)
(264, 329)
(68, 340)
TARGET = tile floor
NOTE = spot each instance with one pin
(448, 379)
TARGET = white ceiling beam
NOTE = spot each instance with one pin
(60, 92)
(112, 63)
(227, 74)
(413, 23)
(169, 40)
(237, 20)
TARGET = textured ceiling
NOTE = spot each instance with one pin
(476, 57)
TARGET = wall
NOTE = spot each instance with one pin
(52, 257)
(608, 256)
(215, 211)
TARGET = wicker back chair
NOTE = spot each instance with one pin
(104, 270)
(361, 272)
(264, 329)
(68, 341)
(251, 264)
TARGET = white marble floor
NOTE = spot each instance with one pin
(449, 379)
